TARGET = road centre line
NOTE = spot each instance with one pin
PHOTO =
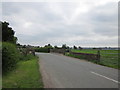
(105, 77)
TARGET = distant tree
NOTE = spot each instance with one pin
(49, 46)
(56, 47)
(18, 44)
(64, 46)
(38, 46)
(24, 46)
(74, 47)
(46, 46)
(106, 47)
(8, 33)
(94, 48)
(68, 47)
(80, 47)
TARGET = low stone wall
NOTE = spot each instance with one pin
(62, 51)
(87, 56)
(26, 51)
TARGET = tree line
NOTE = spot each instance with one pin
(47, 48)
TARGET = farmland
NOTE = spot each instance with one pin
(107, 57)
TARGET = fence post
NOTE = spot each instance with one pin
(98, 56)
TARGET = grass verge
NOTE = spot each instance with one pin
(26, 75)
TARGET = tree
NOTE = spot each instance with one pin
(68, 47)
(18, 44)
(64, 46)
(48, 46)
(56, 47)
(8, 33)
(38, 46)
(74, 47)
(10, 56)
(24, 46)
(80, 47)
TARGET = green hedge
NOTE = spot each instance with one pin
(42, 49)
(10, 56)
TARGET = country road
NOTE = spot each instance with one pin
(61, 71)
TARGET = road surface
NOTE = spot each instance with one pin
(61, 71)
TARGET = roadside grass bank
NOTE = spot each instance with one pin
(109, 58)
(26, 75)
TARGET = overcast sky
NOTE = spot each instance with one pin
(86, 23)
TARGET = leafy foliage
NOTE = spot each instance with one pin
(42, 49)
(45, 49)
(74, 47)
(64, 46)
(10, 56)
(8, 33)
(56, 47)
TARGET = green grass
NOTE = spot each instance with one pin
(108, 58)
(26, 75)
(95, 51)
(0, 82)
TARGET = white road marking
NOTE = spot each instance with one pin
(105, 77)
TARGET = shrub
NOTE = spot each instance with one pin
(43, 49)
(26, 57)
(10, 56)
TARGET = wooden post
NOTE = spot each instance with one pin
(98, 55)
(33, 52)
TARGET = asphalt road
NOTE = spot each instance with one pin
(61, 71)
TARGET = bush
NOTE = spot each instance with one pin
(42, 49)
(26, 57)
(10, 56)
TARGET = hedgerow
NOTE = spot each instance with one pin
(10, 56)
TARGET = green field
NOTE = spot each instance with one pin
(26, 75)
(95, 51)
(108, 57)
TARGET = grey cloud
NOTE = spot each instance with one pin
(106, 30)
(50, 27)
(105, 21)
(9, 8)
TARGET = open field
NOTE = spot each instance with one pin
(95, 51)
(26, 75)
(108, 57)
